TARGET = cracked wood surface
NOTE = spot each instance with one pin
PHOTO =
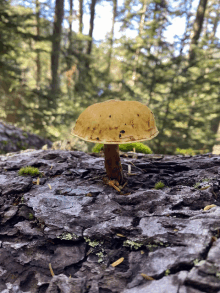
(81, 225)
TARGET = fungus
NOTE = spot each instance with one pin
(115, 122)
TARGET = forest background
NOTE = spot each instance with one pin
(50, 72)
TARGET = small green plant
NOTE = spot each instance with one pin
(28, 171)
(167, 272)
(128, 147)
(30, 216)
(159, 185)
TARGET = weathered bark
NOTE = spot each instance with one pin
(111, 38)
(38, 63)
(57, 30)
(91, 27)
(112, 162)
(197, 28)
(80, 226)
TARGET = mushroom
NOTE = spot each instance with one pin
(115, 122)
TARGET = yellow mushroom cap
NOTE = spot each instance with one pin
(116, 122)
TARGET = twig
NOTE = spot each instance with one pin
(124, 185)
(113, 185)
(51, 270)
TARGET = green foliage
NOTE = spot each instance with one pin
(184, 152)
(25, 171)
(176, 89)
(139, 148)
(190, 151)
(159, 185)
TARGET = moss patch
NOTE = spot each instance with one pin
(159, 185)
(25, 171)
(128, 147)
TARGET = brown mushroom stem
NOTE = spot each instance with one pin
(112, 162)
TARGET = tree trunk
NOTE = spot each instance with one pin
(111, 38)
(91, 27)
(70, 23)
(215, 23)
(141, 28)
(197, 28)
(80, 16)
(56, 40)
(38, 63)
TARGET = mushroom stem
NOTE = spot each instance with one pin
(112, 162)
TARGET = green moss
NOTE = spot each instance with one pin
(28, 171)
(167, 272)
(68, 236)
(92, 243)
(30, 216)
(22, 146)
(132, 244)
(151, 247)
(159, 185)
(128, 147)
(98, 148)
(203, 180)
(138, 146)
(206, 179)
(100, 256)
(4, 142)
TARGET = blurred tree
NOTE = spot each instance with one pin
(80, 16)
(56, 43)
(38, 62)
(111, 37)
(91, 28)
(197, 28)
